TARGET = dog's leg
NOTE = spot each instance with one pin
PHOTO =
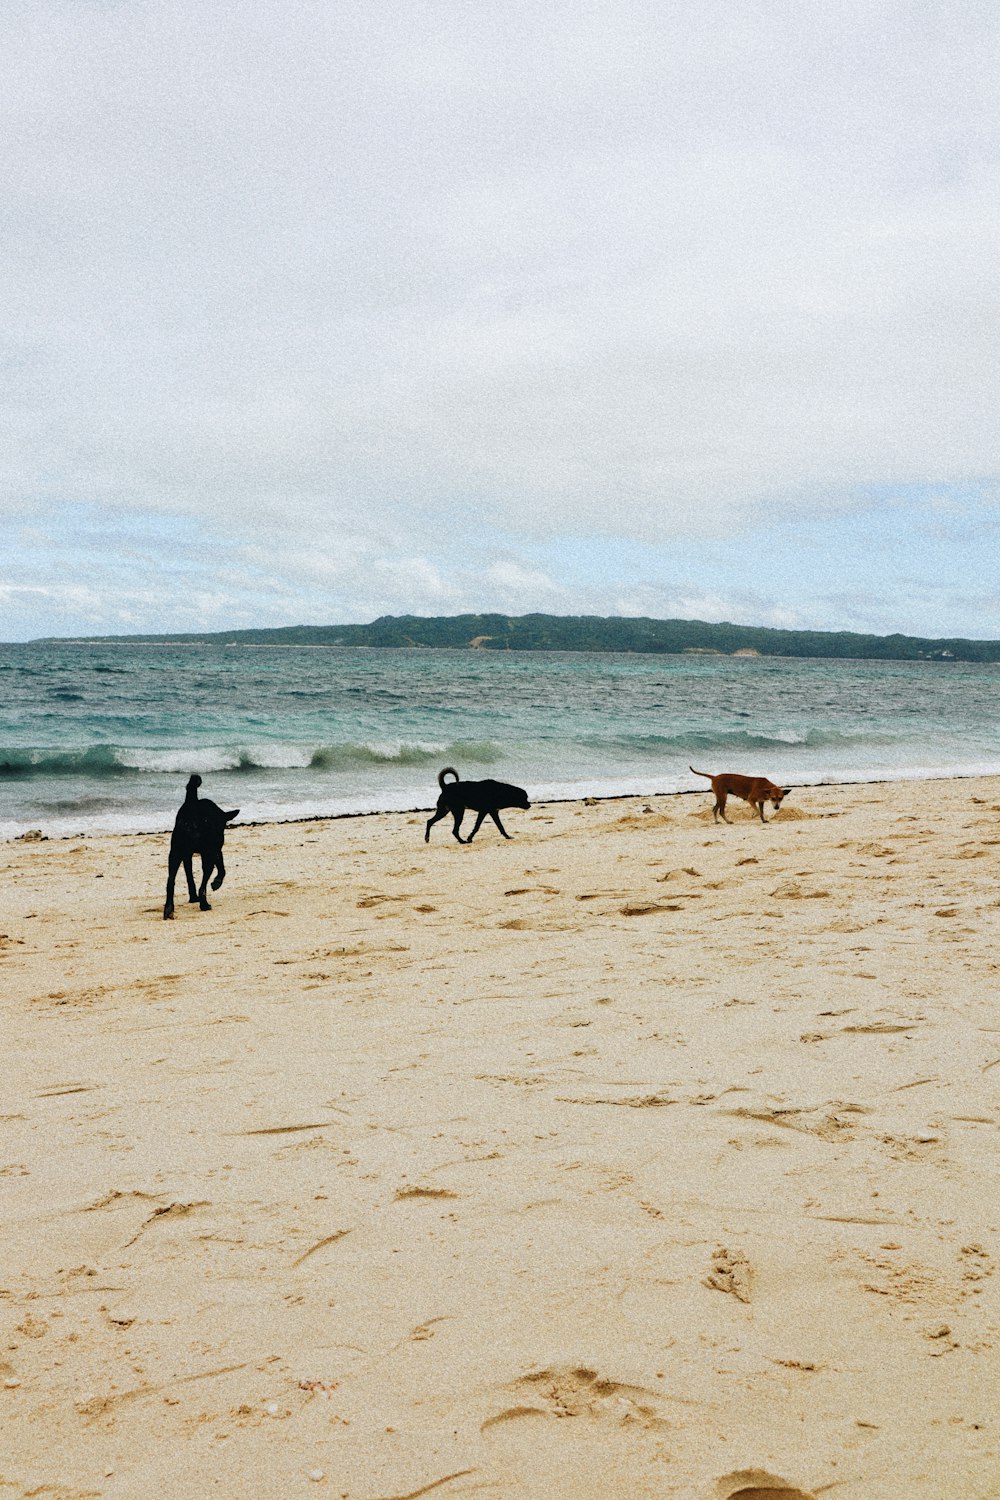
(496, 819)
(439, 813)
(220, 871)
(459, 815)
(207, 866)
(173, 865)
(188, 862)
(720, 806)
(476, 828)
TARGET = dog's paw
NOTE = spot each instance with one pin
(204, 906)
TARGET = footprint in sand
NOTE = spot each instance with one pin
(577, 1391)
(757, 1484)
(793, 890)
(730, 1272)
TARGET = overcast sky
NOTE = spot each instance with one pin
(318, 311)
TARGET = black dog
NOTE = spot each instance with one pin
(483, 797)
(199, 828)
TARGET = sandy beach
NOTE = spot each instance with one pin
(637, 1156)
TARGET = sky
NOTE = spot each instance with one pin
(314, 312)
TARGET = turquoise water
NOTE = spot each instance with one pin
(103, 737)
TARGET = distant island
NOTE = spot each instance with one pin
(582, 633)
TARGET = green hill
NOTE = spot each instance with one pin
(590, 633)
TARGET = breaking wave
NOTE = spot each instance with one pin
(100, 761)
(736, 740)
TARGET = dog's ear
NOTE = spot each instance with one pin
(229, 816)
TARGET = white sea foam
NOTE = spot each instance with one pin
(277, 757)
(203, 759)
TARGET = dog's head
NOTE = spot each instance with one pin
(522, 798)
(229, 816)
(777, 795)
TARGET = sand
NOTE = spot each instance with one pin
(633, 1157)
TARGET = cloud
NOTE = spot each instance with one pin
(80, 571)
(351, 278)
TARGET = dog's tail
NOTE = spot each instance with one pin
(707, 774)
(194, 783)
(448, 771)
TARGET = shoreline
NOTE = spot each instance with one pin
(902, 778)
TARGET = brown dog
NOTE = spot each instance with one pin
(753, 789)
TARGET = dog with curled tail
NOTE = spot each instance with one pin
(485, 798)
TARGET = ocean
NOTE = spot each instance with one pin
(101, 738)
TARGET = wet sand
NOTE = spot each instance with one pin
(635, 1157)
